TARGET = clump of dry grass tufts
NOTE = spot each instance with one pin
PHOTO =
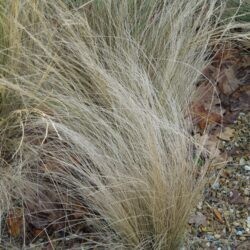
(94, 103)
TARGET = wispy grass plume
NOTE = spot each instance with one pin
(94, 114)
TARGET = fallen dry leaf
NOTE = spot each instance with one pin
(37, 232)
(210, 143)
(225, 53)
(14, 222)
(218, 215)
(227, 82)
(223, 89)
(235, 197)
(227, 134)
(198, 219)
(205, 117)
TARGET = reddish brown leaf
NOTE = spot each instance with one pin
(205, 117)
(37, 232)
(15, 222)
(218, 215)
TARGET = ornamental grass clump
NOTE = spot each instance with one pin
(95, 134)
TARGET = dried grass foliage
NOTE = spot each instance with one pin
(94, 104)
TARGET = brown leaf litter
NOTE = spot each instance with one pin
(221, 112)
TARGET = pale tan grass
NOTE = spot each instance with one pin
(99, 114)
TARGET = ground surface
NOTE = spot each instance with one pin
(221, 220)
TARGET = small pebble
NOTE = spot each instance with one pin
(216, 186)
(246, 192)
(217, 236)
(239, 233)
(243, 238)
(247, 168)
(248, 221)
(236, 223)
(210, 237)
(242, 161)
(199, 206)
